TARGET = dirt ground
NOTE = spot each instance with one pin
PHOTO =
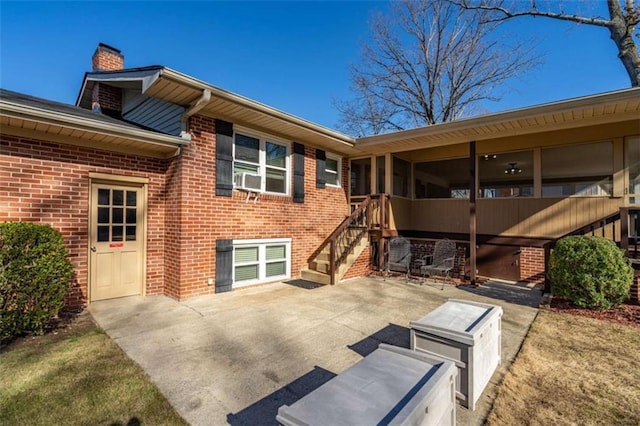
(626, 314)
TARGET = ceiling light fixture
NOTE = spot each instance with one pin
(487, 157)
(513, 169)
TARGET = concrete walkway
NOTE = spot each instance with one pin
(236, 357)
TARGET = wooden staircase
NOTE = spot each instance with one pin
(333, 258)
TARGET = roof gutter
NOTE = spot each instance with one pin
(193, 109)
(256, 106)
(44, 116)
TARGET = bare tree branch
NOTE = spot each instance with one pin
(428, 62)
(621, 24)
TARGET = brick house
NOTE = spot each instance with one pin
(164, 184)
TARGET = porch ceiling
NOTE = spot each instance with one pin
(612, 107)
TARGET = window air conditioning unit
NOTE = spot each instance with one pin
(248, 182)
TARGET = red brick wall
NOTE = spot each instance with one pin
(48, 183)
(532, 264)
(110, 98)
(634, 292)
(421, 248)
(105, 59)
(196, 217)
(361, 267)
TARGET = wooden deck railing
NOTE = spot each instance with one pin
(369, 214)
(620, 222)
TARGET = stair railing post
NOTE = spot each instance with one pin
(624, 230)
(332, 261)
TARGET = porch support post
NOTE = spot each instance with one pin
(472, 213)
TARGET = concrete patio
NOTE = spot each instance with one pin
(236, 357)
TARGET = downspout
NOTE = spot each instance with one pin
(193, 109)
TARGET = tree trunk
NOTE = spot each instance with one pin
(622, 35)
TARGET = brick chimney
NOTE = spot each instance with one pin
(106, 99)
(107, 58)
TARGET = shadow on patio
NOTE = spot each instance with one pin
(512, 293)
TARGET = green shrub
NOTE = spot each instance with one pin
(35, 273)
(592, 272)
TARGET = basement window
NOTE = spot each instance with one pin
(261, 261)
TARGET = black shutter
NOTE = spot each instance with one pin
(298, 172)
(224, 158)
(321, 158)
(224, 265)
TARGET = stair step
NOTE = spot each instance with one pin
(320, 266)
(315, 276)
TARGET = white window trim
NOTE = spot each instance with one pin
(338, 172)
(262, 244)
(262, 166)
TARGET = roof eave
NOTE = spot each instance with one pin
(502, 117)
(14, 110)
(245, 102)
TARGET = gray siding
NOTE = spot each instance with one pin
(153, 113)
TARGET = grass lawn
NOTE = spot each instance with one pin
(77, 376)
(572, 370)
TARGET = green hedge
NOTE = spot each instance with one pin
(592, 272)
(35, 273)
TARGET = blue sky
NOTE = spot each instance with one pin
(290, 55)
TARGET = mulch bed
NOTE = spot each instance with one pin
(626, 314)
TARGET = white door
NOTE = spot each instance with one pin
(116, 241)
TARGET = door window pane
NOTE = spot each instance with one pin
(116, 233)
(131, 233)
(118, 197)
(103, 197)
(131, 198)
(103, 233)
(103, 214)
(116, 214)
(131, 215)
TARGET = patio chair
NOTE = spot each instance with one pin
(441, 262)
(399, 259)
